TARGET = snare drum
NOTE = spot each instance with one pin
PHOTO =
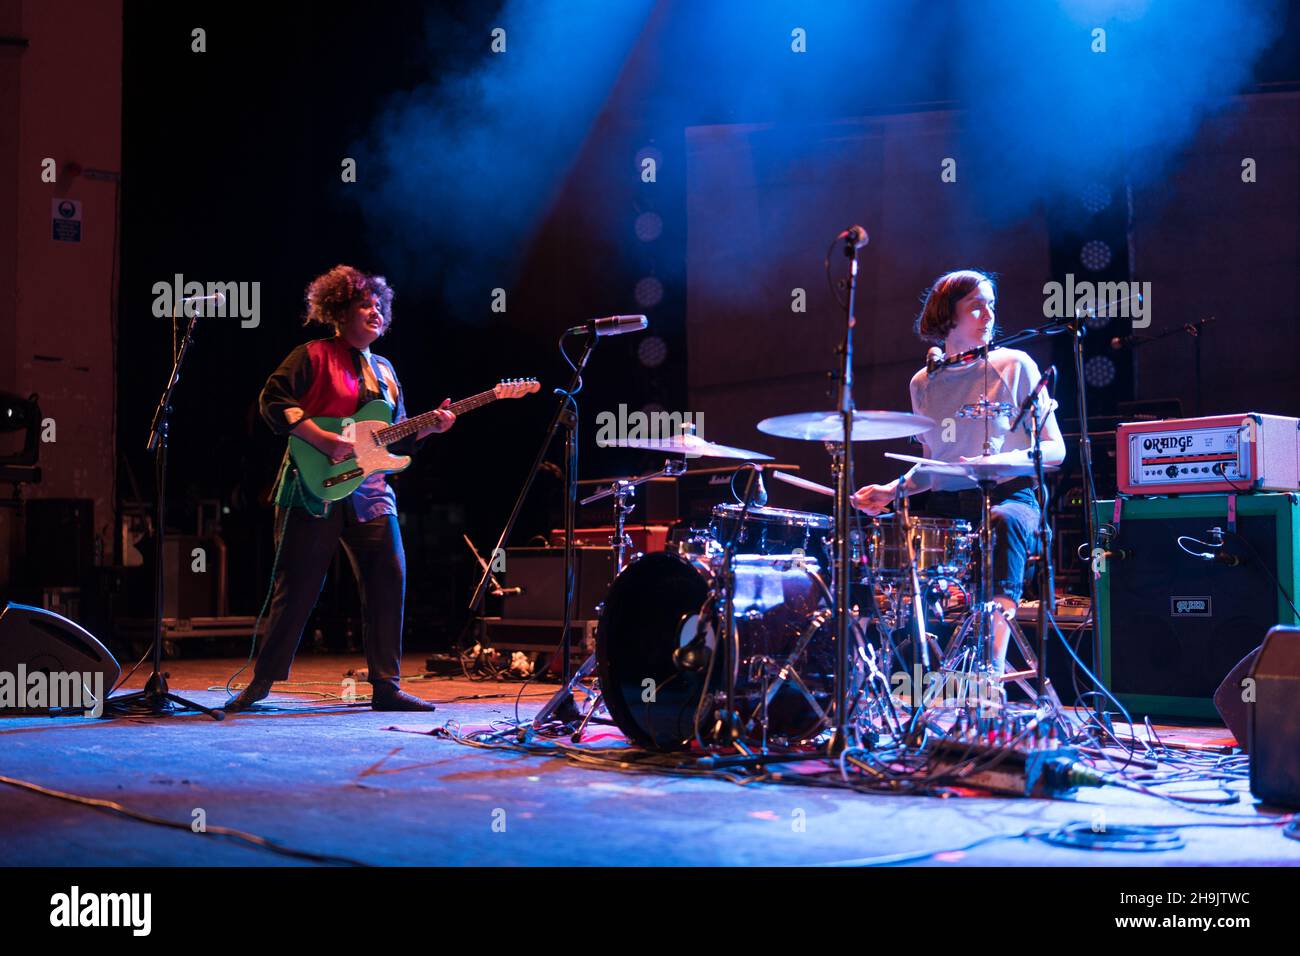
(942, 546)
(774, 531)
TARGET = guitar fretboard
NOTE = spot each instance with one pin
(411, 426)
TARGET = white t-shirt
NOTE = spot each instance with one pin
(1006, 376)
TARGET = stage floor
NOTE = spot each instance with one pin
(338, 780)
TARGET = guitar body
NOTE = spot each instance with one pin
(371, 430)
(334, 482)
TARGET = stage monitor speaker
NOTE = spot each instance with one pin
(1230, 699)
(1275, 719)
(45, 642)
(1172, 624)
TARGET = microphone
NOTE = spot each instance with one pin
(611, 325)
(1029, 399)
(217, 297)
(856, 235)
(934, 360)
(760, 490)
(1129, 341)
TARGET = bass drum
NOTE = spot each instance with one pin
(655, 607)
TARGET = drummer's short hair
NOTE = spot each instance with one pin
(939, 304)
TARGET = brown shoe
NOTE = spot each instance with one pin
(250, 695)
(393, 699)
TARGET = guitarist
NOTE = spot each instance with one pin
(334, 377)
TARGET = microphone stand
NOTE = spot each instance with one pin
(1079, 328)
(1055, 327)
(1046, 577)
(156, 698)
(843, 491)
(566, 416)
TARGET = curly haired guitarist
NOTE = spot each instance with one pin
(336, 376)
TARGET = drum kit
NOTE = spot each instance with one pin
(728, 638)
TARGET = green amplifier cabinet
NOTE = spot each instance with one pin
(1172, 625)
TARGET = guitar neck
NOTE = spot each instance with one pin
(412, 426)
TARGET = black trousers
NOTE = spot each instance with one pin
(1014, 514)
(307, 546)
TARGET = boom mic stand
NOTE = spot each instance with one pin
(1078, 329)
(566, 416)
(843, 491)
(156, 698)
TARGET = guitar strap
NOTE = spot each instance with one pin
(372, 386)
(391, 382)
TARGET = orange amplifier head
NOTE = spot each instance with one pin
(1214, 455)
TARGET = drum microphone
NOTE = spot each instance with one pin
(755, 490)
(1029, 399)
(856, 235)
(611, 325)
(760, 492)
(934, 360)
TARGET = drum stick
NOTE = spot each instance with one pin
(804, 483)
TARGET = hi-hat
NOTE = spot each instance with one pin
(690, 446)
(829, 426)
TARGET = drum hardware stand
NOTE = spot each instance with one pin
(787, 672)
(623, 491)
(916, 608)
(729, 721)
(871, 674)
(976, 658)
(156, 697)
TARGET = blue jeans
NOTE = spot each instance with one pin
(1014, 514)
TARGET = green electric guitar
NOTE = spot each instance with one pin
(371, 431)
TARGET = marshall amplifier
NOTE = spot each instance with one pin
(1177, 611)
(702, 488)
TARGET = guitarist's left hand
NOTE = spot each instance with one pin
(445, 420)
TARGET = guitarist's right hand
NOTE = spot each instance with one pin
(330, 444)
(334, 446)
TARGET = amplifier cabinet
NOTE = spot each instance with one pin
(539, 572)
(1171, 624)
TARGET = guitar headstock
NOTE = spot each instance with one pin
(516, 387)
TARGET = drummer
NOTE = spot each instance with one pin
(958, 314)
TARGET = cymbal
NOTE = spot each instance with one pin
(829, 426)
(976, 470)
(691, 446)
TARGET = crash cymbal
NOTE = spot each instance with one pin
(828, 426)
(691, 446)
(975, 470)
